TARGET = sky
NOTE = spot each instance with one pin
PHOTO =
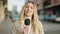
(19, 4)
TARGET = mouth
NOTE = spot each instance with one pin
(28, 11)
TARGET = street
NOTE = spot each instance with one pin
(51, 27)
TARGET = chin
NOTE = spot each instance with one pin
(28, 15)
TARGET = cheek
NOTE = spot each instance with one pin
(25, 9)
(32, 11)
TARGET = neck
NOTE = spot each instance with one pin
(27, 17)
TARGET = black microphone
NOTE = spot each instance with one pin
(27, 22)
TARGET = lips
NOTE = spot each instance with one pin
(28, 11)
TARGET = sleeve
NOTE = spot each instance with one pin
(13, 29)
(16, 29)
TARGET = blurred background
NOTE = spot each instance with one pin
(48, 11)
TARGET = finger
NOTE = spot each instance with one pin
(26, 32)
(26, 28)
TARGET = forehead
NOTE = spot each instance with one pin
(29, 4)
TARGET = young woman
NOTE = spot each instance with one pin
(29, 11)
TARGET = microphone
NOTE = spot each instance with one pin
(27, 22)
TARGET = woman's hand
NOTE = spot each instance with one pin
(25, 30)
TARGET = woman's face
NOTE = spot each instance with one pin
(29, 9)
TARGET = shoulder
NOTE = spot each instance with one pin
(18, 24)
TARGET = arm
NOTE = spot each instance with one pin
(16, 29)
(13, 29)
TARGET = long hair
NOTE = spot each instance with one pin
(35, 20)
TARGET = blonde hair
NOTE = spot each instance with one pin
(35, 20)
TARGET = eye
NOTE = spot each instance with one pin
(31, 7)
(27, 6)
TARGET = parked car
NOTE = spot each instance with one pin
(57, 19)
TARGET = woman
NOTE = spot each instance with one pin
(29, 11)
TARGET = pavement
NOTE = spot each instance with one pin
(51, 27)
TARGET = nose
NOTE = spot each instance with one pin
(28, 8)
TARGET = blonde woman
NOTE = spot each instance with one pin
(29, 11)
